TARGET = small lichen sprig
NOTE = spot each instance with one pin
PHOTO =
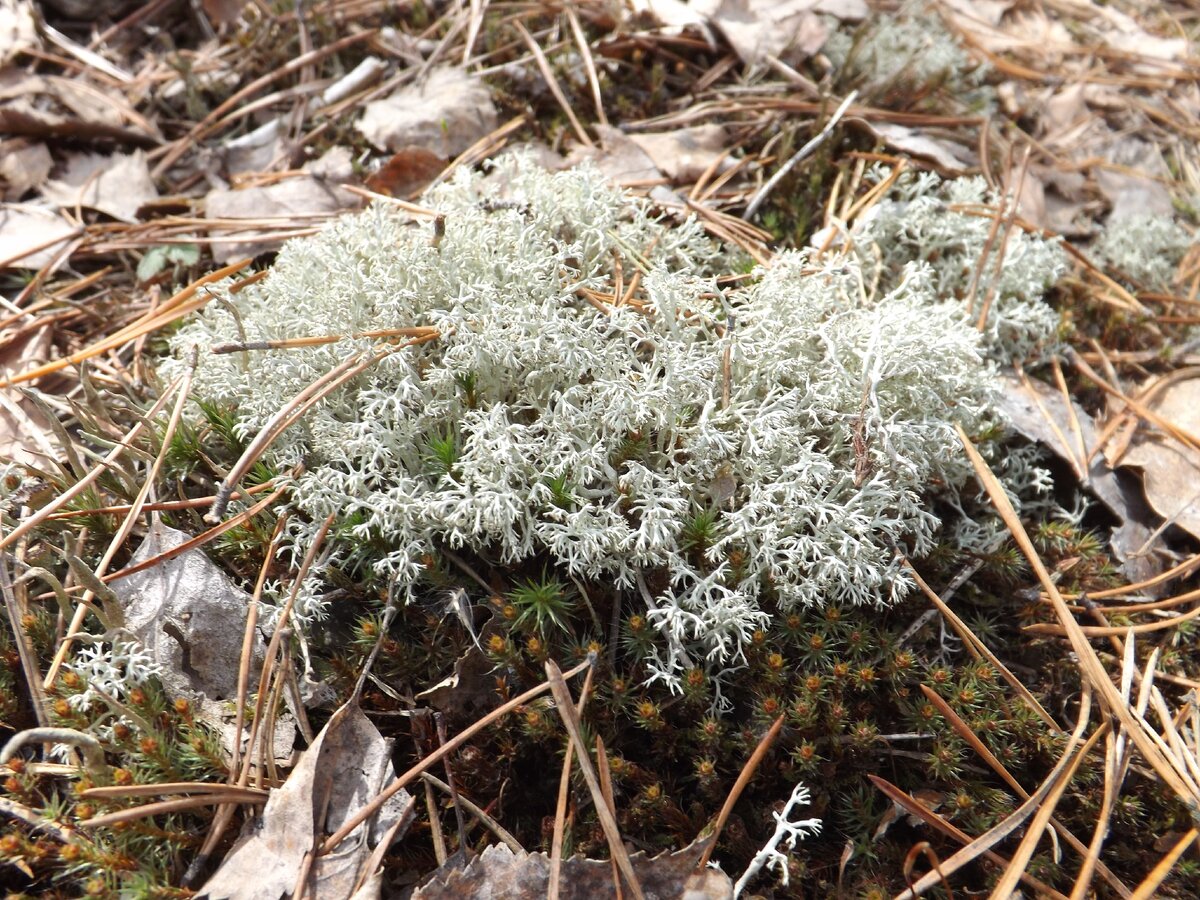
(787, 832)
(800, 419)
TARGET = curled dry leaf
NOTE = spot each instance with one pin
(1171, 469)
(299, 201)
(687, 153)
(950, 158)
(445, 114)
(347, 765)
(52, 106)
(407, 173)
(1039, 413)
(23, 166)
(502, 874)
(189, 614)
(25, 435)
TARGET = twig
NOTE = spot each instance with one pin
(799, 156)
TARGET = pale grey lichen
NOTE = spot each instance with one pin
(1145, 248)
(809, 415)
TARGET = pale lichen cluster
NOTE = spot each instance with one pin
(802, 414)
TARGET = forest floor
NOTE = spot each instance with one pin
(1026, 720)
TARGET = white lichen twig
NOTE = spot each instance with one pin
(788, 833)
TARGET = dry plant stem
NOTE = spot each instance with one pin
(990, 296)
(608, 822)
(291, 413)
(925, 849)
(799, 156)
(606, 787)
(977, 646)
(1146, 890)
(35, 820)
(273, 648)
(964, 731)
(743, 780)
(1117, 630)
(123, 532)
(164, 807)
(1091, 668)
(552, 83)
(479, 813)
(916, 808)
(85, 482)
(201, 539)
(234, 794)
(165, 506)
(433, 758)
(1180, 434)
(564, 786)
(589, 64)
(176, 307)
(318, 340)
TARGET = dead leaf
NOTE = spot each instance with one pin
(24, 430)
(188, 614)
(23, 166)
(621, 160)
(758, 29)
(1171, 470)
(51, 106)
(18, 28)
(988, 11)
(32, 235)
(117, 185)
(258, 151)
(1133, 181)
(407, 173)
(685, 154)
(445, 114)
(223, 12)
(502, 874)
(301, 200)
(347, 765)
(1039, 413)
(949, 157)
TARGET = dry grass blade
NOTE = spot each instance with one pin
(979, 648)
(29, 524)
(964, 731)
(506, 837)
(589, 64)
(166, 806)
(232, 793)
(1091, 668)
(180, 305)
(608, 822)
(552, 83)
(123, 532)
(1146, 890)
(435, 757)
(564, 787)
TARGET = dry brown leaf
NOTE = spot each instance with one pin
(189, 614)
(949, 157)
(26, 227)
(759, 29)
(1133, 183)
(222, 12)
(302, 200)
(18, 28)
(25, 435)
(23, 166)
(260, 150)
(407, 173)
(446, 114)
(1170, 470)
(347, 765)
(501, 874)
(620, 159)
(687, 153)
(52, 106)
(1039, 413)
(117, 185)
